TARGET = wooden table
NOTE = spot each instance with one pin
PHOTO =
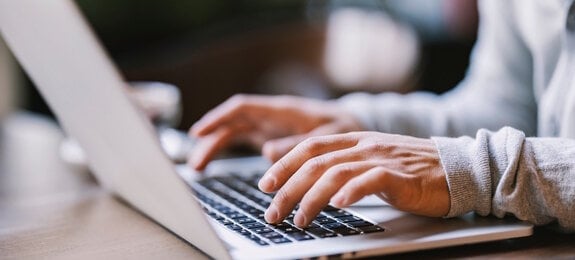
(50, 209)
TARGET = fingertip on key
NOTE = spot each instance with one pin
(338, 201)
(267, 184)
(271, 215)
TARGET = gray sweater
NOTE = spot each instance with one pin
(515, 111)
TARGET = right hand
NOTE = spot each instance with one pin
(274, 124)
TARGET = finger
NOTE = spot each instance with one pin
(302, 181)
(233, 109)
(378, 180)
(320, 194)
(208, 146)
(275, 149)
(283, 169)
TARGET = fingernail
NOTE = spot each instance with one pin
(338, 201)
(271, 214)
(300, 220)
(196, 162)
(267, 184)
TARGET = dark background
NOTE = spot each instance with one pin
(214, 49)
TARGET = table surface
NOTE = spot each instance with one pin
(51, 209)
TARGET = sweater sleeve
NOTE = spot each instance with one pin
(497, 90)
(504, 172)
(498, 173)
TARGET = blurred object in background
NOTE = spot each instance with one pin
(213, 49)
(8, 99)
(437, 20)
(129, 27)
(367, 50)
(294, 77)
(447, 31)
(161, 102)
(383, 45)
(210, 50)
(31, 165)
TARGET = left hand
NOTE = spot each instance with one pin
(341, 169)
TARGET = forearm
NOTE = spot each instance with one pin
(505, 173)
(463, 111)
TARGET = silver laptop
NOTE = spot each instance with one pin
(218, 212)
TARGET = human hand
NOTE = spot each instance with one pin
(274, 124)
(341, 169)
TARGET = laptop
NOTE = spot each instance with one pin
(218, 211)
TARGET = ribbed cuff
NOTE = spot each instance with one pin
(466, 164)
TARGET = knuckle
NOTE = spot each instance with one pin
(313, 143)
(282, 198)
(315, 165)
(283, 166)
(239, 98)
(238, 101)
(383, 174)
(339, 173)
(376, 148)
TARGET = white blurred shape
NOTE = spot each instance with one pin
(369, 50)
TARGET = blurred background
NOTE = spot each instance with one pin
(319, 48)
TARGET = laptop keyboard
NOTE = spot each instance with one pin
(237, 203)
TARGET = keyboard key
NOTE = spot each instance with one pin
(244, 232)
(262, 230)
(289, 218)
(360, 223)
(282, 224)
(280, 240)
(348, 219)
(334, 225)
(260, 242)
(323, 221)
(345, 231)
(339, 213)
(312, 225)
(236, 215)
(234, 227)
(242, 205)
(226, 210)
(225, 221)
(320, 232)
(254, 211)
(261, 216)
(329, 208)
(287, 229)
(271, 235)
(332, 222)
(371, 229)
(300, 236)
(253, 225)
(244, 220)
(256, 239)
